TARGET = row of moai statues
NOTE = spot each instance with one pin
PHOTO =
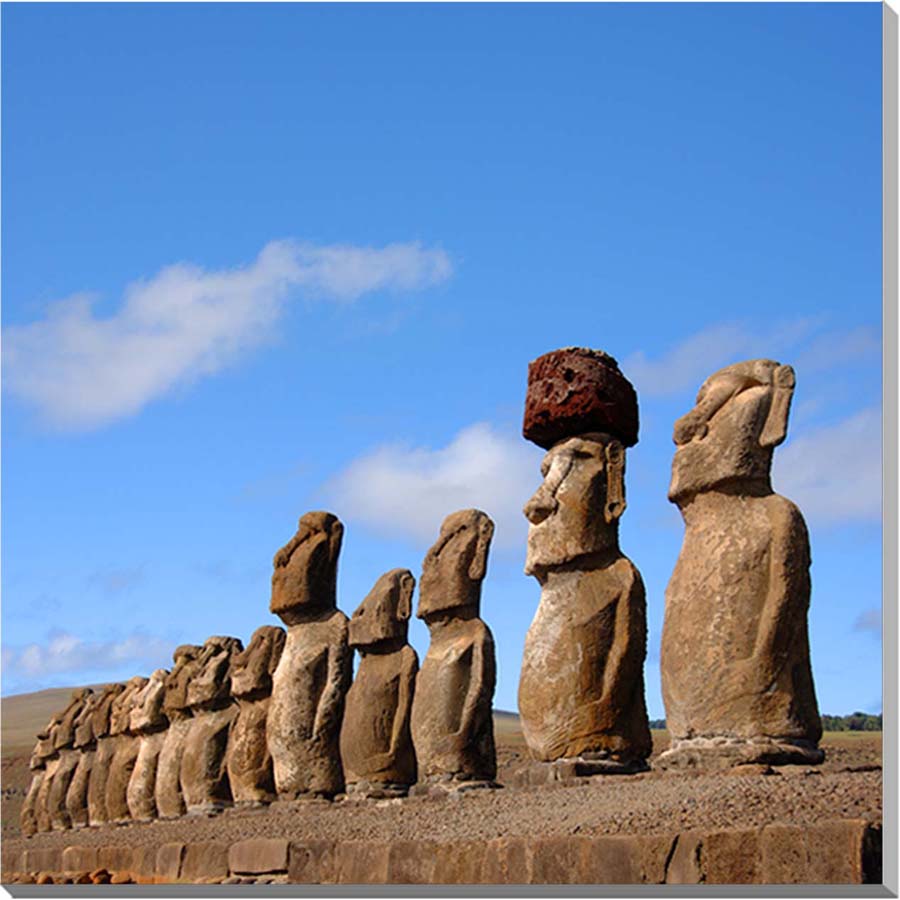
(280, 719)
(735, 665)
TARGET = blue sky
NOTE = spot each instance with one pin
(260, 259)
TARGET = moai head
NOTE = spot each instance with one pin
(305, 578)
(102, 714)
(211, 683)
(383, 617)
(729, 436)
(455, 566)
(576, 510)
(147, 712)
(44, 748)
(84, 724)
(175, 697)
(120, 711)
(253, 667)
(65, 731)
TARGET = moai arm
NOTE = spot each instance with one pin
(339, 673)
(481, 681)
(404, 700)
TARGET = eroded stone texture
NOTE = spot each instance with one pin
(452, 726)
(376, 744)
(103, 755)
(581, 689)
(577, 390)
(127, 746)
(248, 760)
(84, 745)
(736, 676)
(148, 722)
(35, 815)
(167, 792)
(204, 777)
(314, 672)
(63, 738)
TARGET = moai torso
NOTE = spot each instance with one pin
(84, 743)
(248, 760)
(127, 746)
(376, 744)
(314, 672)
(64, 739)
(736, 675)
(49, 757)
(103, 755)
(148, 722)
(452, 720)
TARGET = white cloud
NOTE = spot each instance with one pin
(869, 620)
(408, 491)
(81, 371)
(833, 473)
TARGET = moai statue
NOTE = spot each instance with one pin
(148, 722)
(85, 746)
(63, 739)
(248, 760)
(452, 721)
(27, 816)
(103, 755)
(315, 669)
(376, 745)
(167, 792)
(127, 744)
(581, 689)
(736, 677)
(35, 815)
(204, 777)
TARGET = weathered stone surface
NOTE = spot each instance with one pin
(204, 860)
(77, 796)
(126, 750)
(248, 760)
(459, 862)
(105, 749)
(169, 858)
(312, 862)
(376, 744)
(451, 722)
(581, 688)
(258, 856)
(732, 856)
(62, 736)
(28, 815)
(507, 860)
(43, 859)
(148, 721)
(412, 862)
(577, 390)
(362, 862)
(736, 676)
(314, 672)
(116, 858)
(42, 803)
(143, 864)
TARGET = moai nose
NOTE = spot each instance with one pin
(541, 505)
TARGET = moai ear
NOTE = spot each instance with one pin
(775, 429)
(335, 536)
(404, 601)
(478, 566)
(276, 645)
(615, 482)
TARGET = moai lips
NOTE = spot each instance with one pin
(106, 747)
(736, 675)
(149, 722)
(314, 672)
(452, 725)
(376, 745)
(248, 760)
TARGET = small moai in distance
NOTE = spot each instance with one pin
(63, 740)
(167, 792)
(127, 746)
(452, 721)
(581, 689)
(248, 760)
(736, 677)
(376, 744)
(35, 816)
(204, 777)
(148, 722)
(84, 744)
(314, 673)
(103, 755)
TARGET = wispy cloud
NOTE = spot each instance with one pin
(114, 581)
(407, 491)
(80, 370)
(833, 473)
(869, 620)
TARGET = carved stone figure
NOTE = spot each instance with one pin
(148, 722)
(376, 745)
(248, 760)
(204, 777)
(127, 745)
(35, 815)
(452, 724)
(103, 755)
(736, 676)
(84, 746)
(63, 739)
(175, 706)
(314, 672)
(27, 815)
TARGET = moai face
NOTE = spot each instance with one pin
(728, 437)
(184, 659)
(576, 509)
(253, 667)
(44, 748)
(147, 711)
(211, 682)
(100, 719)
(305, 576)
(384, 614)
(120, 712)
(65, 732)
(84, 724)
(455, 566)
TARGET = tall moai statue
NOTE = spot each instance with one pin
(204, 776)
(315, 669)
(148, 722)
(84, 744)
(452, 721)
(167, 792)
(63, 740)
(376, 744)
(35, 815)
(36, 763)
(127, 745)
(581, 690)
(736, 677)
(247, 759)
(103, 755)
